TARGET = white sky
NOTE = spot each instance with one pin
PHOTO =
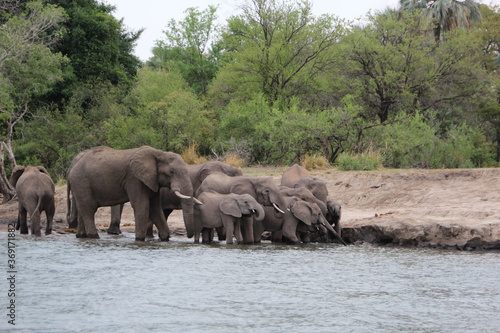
(153, 15)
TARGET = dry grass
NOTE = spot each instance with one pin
(190, 155)
(312, 162)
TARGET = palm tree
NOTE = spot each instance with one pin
(447, 14)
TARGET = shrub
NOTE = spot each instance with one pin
(354, 162)
(234, 160)
(190, 155)
(315, 161)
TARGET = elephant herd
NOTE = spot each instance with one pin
(212, 196)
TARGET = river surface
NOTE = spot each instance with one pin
(63, 284)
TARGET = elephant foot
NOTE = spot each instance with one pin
(113, 231)
(140, 239)
(165, 239)
(94, 236)
(48, 231)
(72, 225)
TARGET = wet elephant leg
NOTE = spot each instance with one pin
(157, 216)
(116, 216)
(23, 221)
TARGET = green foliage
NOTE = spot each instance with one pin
(408, 142)
(97, 43)
(187, 49)
(464, 147)
(278, 84)
(165, 115)
(280, 48)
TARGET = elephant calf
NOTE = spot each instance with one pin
(226, 210)
(35, 190)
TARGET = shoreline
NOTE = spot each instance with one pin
(443, 209)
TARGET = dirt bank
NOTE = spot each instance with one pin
(425, 208)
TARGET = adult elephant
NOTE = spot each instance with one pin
(35, 191)
(103, 176)
(262, 189)
(225, 210)
(169, 200)
(297, 176)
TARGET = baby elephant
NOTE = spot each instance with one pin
(35, 190)
(226, 210)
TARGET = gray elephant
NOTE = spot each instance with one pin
(226, 210)
(103, 176)
(35, 190)
(262, 189)
(299, 219)
(297, 176)
(169, 200)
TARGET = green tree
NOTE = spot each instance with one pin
(163, 113)
(446, 14)
(278, 49)
(398, 68)
(28, 69)
(190, 47)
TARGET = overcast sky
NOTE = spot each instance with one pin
(153, 15)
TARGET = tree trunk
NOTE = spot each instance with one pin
(6, 188)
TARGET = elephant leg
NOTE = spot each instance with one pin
(221, 233)
(73, 216)
(23, 220)
(116, 216)
(205, 235)
(258, 230)
(86, 223)
(157, 216)
(50, 218)
(277, 236)
(231, 228)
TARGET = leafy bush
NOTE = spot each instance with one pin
(408, 142)
(463, 147)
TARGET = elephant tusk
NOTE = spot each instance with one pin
(278, 209)
(182, 196)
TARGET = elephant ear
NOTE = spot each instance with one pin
(244, 186)
(43, 170)
(301, 210)
(204, 173)
(229, 206)
(16, 173)
(144, 166)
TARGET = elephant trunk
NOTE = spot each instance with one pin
(183, 189)
(334, 233)
(187, 214)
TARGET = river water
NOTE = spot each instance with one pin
(63, 284)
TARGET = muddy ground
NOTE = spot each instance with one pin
(458, 208)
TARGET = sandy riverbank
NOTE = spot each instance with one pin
(425, 208)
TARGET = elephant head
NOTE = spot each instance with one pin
(242, 205)
(308, 213)
(303, 194)
(18, 171)
(208, 168)
(263, 189)
(156, 169)
(316, 185)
